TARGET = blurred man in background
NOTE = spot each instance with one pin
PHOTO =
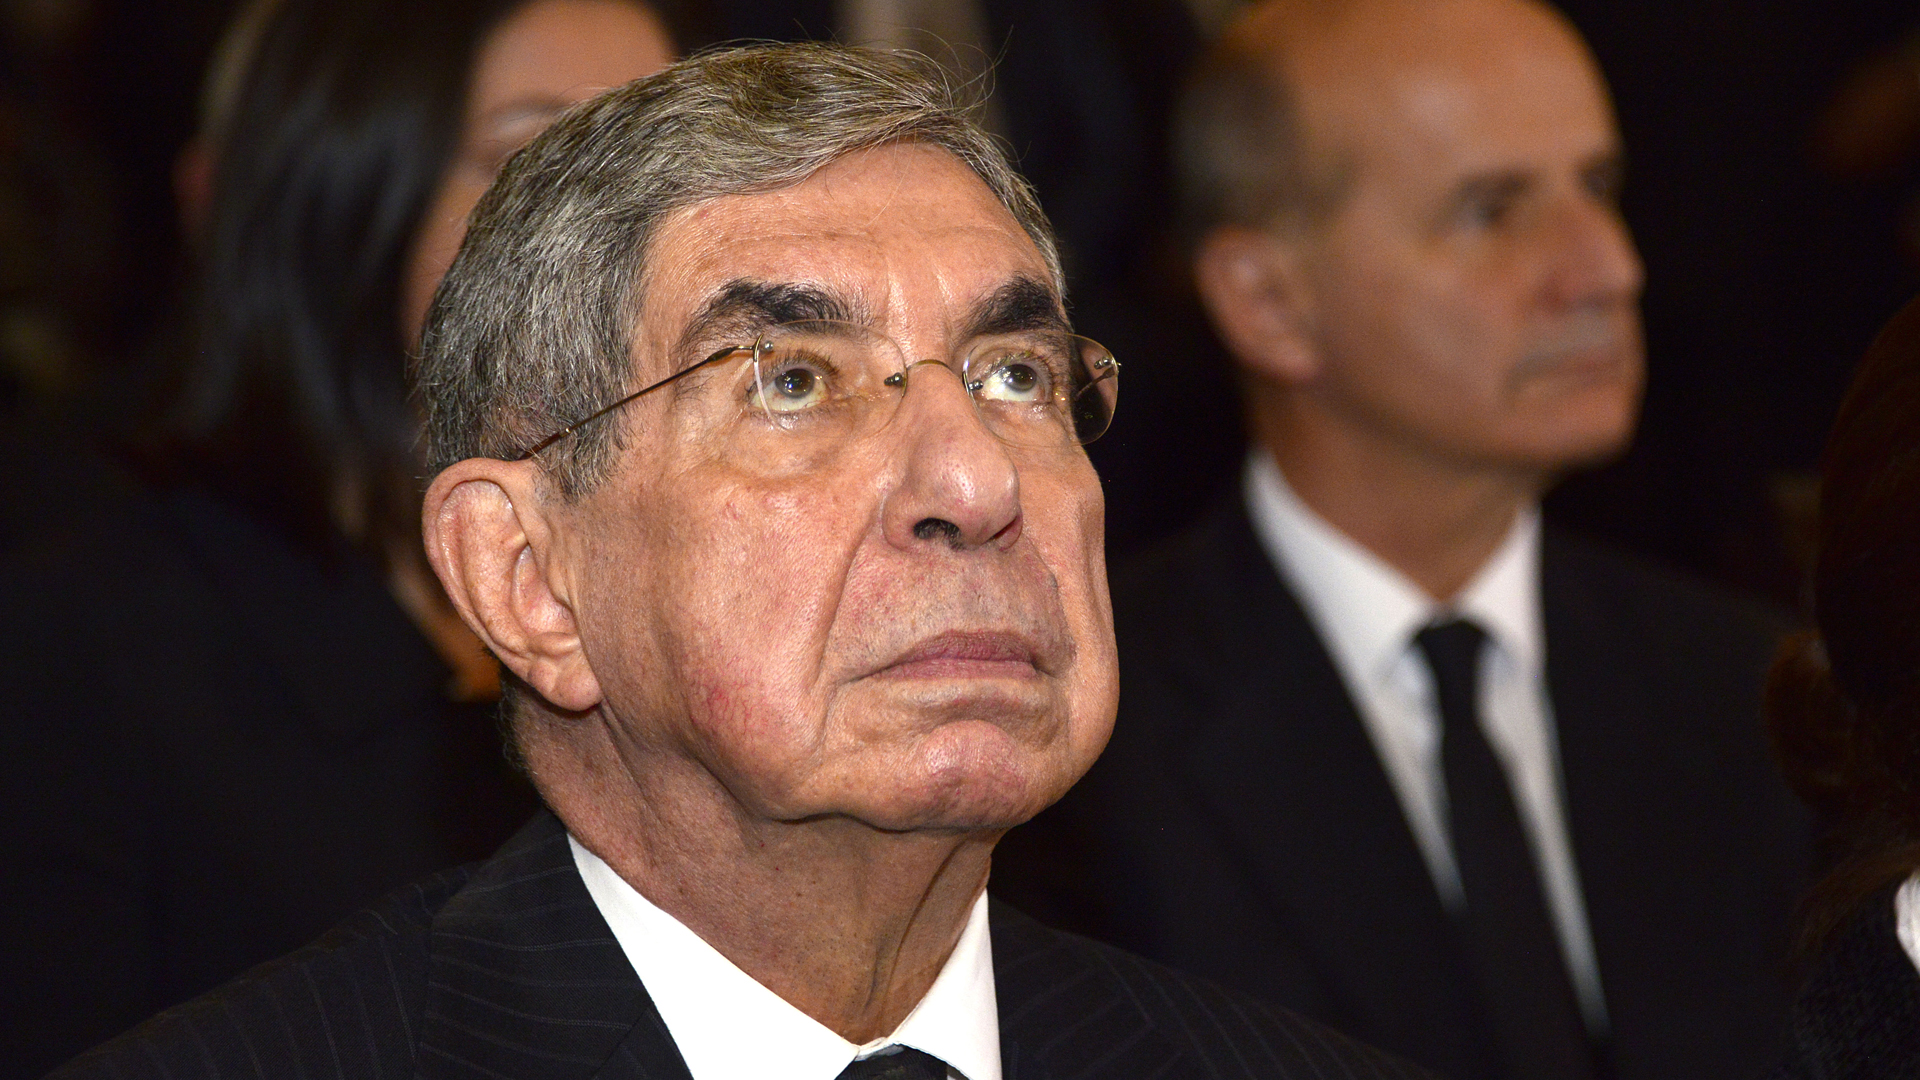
(1388, 750)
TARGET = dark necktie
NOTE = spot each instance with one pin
(1507, 928)
(904, 1064)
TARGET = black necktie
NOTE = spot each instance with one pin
(1507, 928)
(905, 1063)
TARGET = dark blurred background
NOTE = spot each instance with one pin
(1772, 194)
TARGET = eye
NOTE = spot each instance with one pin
(1488, 212)
(1488, 203)
(793, 383)
(1603, 183)
(1024, 377)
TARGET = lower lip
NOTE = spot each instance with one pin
(943, 667)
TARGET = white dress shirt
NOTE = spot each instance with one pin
(1367, 613)
(729, 1027)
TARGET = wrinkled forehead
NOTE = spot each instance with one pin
(904, 239)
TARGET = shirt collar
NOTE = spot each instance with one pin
(1370, 611)
(1504, 597)
(727, 1026)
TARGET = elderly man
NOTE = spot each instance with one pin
(1389, 752)
(757, 427)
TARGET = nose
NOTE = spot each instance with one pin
(1596, 264)
(957, 484)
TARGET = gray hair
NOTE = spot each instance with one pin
(1241, 155)
(533, 326)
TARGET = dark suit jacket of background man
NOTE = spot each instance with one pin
(1240, 824)
(507, 970)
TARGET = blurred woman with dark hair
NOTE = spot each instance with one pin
(1845, 709)
(243, 706)
(344, 145)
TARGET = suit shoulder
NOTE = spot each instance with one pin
(1202, 598)
(1046, 976)
(345, 1006)
(1671, 617)
(1596, 566)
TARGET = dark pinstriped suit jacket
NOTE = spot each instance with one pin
(507, 970)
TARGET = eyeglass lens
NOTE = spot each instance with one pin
(834, 380)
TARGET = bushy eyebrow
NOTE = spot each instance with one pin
(1021, 304)
(748, 306)
(1503, 186)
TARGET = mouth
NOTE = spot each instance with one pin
(964, 654)
(1590, 363)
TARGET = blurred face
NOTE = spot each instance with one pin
(1476, 296)
(546, 56)
(910, 630)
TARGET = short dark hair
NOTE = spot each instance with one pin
(1240, 152)
(532, 328)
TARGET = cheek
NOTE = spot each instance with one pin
(1068, 524)
(1082, 545)
(765, 564)
(765, 571)
(1436, 336)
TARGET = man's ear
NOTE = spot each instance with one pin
(1254, 286)
(492, 543)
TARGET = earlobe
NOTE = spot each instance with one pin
(492, 545)
(1253, 286)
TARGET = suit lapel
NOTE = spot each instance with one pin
(544, 991)
(1594, 680)
(1659, 877)
(1287, 772)
(1061, 1019)
(526, 980)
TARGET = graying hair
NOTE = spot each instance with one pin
(1241, 155)
(533, 326)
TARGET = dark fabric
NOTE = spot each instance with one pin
(506, 971)
(1859, 1016)
(1240, 825)
(905, 1063)
(1506, 926)
(217, 746)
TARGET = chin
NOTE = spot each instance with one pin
(970, 776)
(1581, 430)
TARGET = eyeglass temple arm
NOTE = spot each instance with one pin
(642, 392)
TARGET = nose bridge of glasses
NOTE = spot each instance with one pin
(937, 362)
(960, 379)
(901, 377)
